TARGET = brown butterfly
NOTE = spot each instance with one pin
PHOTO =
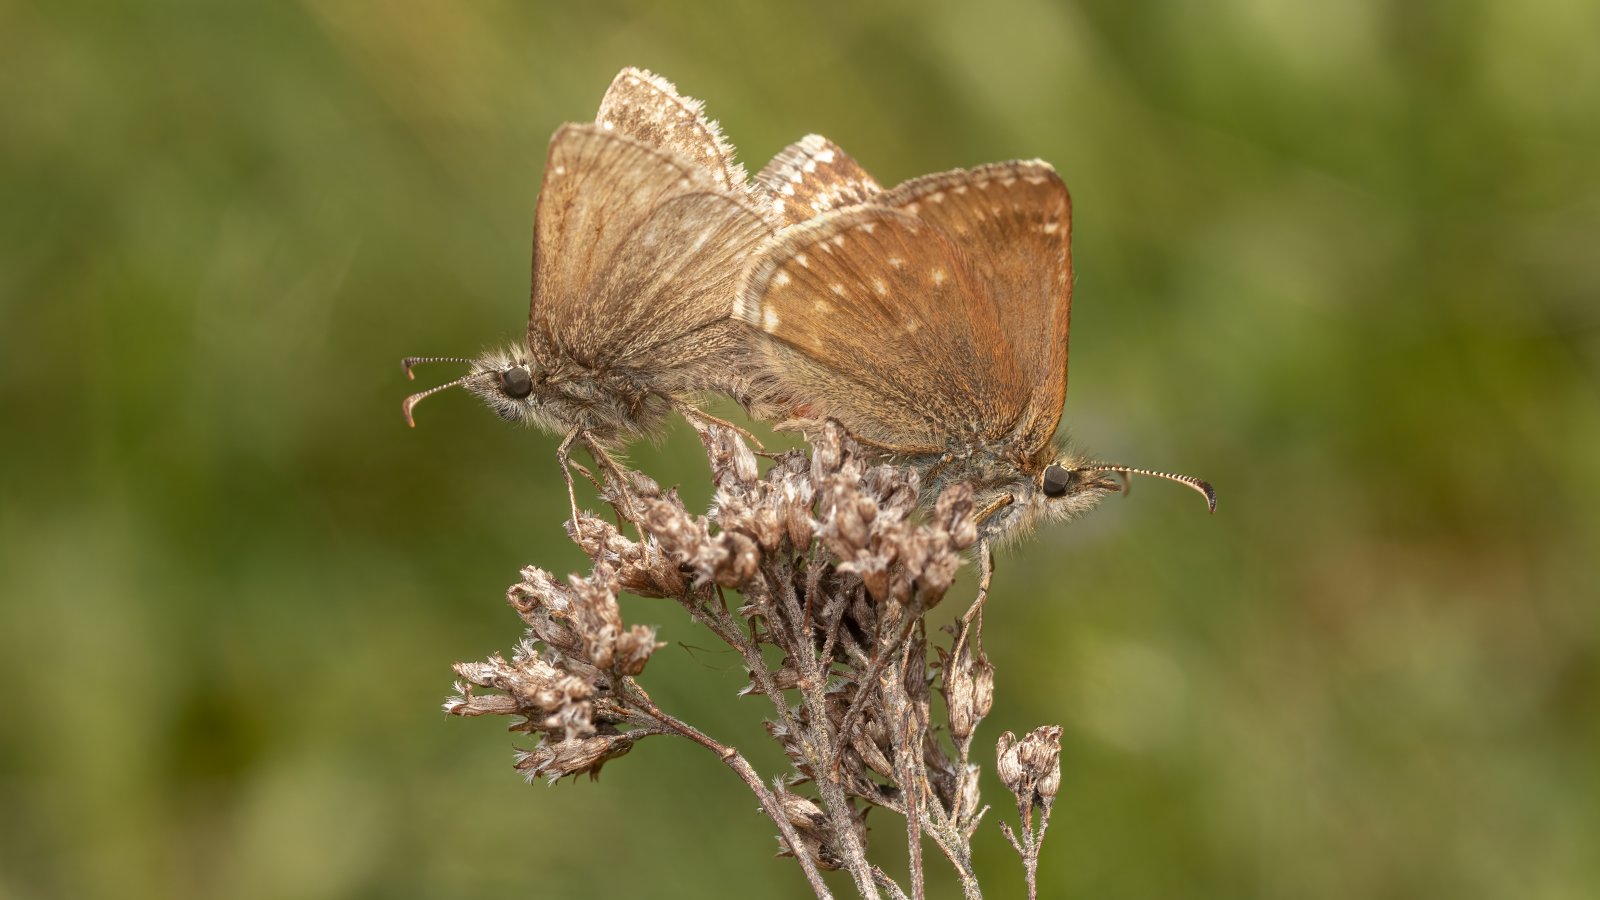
(644, 223)
(931, 320)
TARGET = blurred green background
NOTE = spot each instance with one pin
(1341, 259)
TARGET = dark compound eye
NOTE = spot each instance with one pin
(1056, 480)
(516, 382)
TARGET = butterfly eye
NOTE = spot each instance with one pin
(1056, 480)
(516, 382)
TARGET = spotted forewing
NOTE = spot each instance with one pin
(934, 314)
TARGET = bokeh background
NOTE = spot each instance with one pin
(1341, 259)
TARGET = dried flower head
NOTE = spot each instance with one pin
(836, 568)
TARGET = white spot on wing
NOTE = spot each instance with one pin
(825, 156)
(803, 260)
(780, 279)
(607, 125)
(937, 196)
(1050, 227)
(897, 262)
(938, 276)
(837, 288)
(880, 286)
(561, 170)
(769, 320)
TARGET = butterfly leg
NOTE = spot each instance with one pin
(936, 468)
(699, 418)
(613, 472)
(564, 457)
(995, 505)
(896, 449)
(985, 577)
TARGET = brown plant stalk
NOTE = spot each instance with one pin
(836, 569)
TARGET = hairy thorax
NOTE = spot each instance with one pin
(1007, 488)
(606, 403)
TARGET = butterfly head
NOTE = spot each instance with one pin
(1064, 489)
(507, 381)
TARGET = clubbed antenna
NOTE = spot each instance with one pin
(416, 398)
(1203, 487)
(408, 362)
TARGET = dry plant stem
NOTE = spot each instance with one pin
(836, 561)
(636, 696)
(888, 884)
(1028, 848)
(1031, 770)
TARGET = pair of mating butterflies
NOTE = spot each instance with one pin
(930, 319)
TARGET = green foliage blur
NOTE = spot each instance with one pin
(1341, 259)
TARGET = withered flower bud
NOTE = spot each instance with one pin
(827, 452)
(740, 558)
(645, 571)
(466, 703)
(553, 760)
(1008, 764)
(802, 813)
(1042, 754)
(797, 523)
(982, 687)
(959, 692)
(767, 527)
(952, 513)
(634, 648)
(1050, 783)
(851, 528)
(596, 616)
(592, 534)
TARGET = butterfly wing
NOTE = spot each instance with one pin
(812, 176)
(649, 109)
(1014, 219)
(936, 313)
(876, 318)
(635, 252)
